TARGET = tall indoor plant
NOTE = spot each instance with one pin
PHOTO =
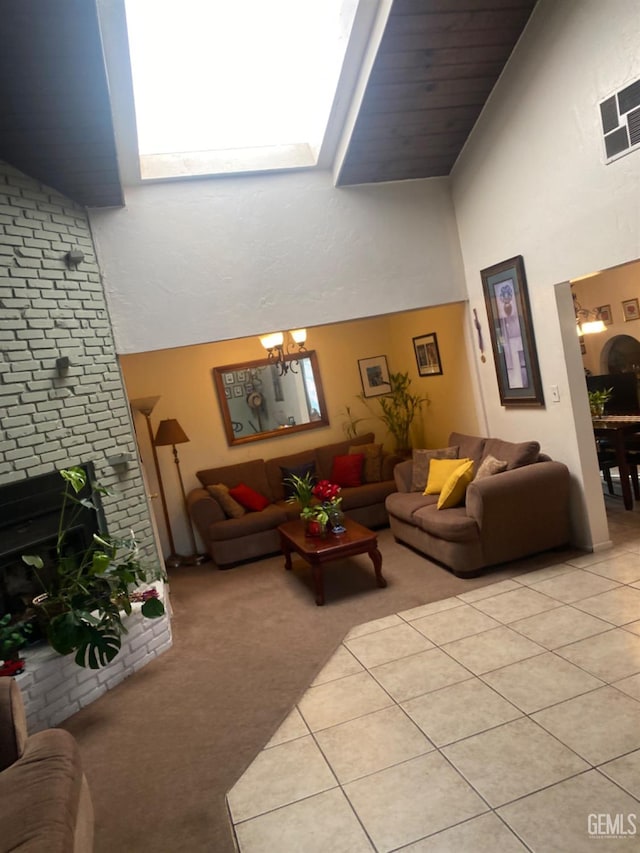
(85, 594)
(398, 410)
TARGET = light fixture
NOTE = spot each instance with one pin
(171, 433)
(588, 321)
(279, 353)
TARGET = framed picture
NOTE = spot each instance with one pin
(427, 355)
(238, 390)
(604, 312)
(240, 376)
(227, 393)
(583, 346)
(229, 379)
(374, 375)
(631, 309)
(512, 339)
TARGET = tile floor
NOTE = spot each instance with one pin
(498, 720)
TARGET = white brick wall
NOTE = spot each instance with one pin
(50, 421)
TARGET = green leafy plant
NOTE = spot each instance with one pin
(301, 488)
(12, 636)
(398, 409)
(598, 399)
(351, 424)
(86, 594)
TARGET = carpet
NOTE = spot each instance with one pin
(162, 748)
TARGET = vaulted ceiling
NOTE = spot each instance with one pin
(437, 63)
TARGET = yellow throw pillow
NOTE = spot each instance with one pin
(454, 489)
(439, 471)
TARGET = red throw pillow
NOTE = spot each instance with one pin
(347, 470)
(248, 497)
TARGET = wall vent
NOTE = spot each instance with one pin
(620, 116)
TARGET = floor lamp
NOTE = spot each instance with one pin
(146, 405)
(171, 433)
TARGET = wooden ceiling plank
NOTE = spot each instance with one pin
(512, 19)
(418, 7)
(442, 40)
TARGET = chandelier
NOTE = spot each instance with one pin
(588, 321)
(280, 353)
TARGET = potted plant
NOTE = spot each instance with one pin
(318, 503)
(398, 410)
(13, 636)
(597, 401)
(86, 594)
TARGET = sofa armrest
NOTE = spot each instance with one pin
(13, 723)
(532, 501)
(204, 510)
(402, 475)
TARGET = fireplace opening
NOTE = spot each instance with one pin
(29, 524)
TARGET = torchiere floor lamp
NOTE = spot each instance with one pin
(171, 433)
(145, 405)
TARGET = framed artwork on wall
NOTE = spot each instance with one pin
(631, 309)
(427, 355)
(514, 347)
(604, 312)
(374, 375)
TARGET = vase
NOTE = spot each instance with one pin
(336, 520)
(315, 527)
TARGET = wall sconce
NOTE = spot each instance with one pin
(588, 321)
(278, 352)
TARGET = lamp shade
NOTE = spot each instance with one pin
(170, 432)
(272, 340)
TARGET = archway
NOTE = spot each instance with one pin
(621, 354)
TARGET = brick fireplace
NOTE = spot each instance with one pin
(62, 399)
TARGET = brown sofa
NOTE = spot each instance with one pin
(233, 540)
(45, 804)
(520, 511)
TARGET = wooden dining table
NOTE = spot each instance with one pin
(615, 429)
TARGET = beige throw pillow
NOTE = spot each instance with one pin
(489, 466)
(421, 460)
(372, 470)
(229, 505)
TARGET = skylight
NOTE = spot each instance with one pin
(234, 85)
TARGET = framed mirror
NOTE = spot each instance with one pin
(258, 401)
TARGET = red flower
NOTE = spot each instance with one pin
(326, 491)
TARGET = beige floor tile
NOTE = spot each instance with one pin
(453, 624)
(294, 828)
(573, 586)
(345, 699)
(371, 743)
(548, 572)
(489, 591)
(418, 674)
(428, 609)
(492, 649)
(513, 760)
(624, 567)
(630, 686)
(279, 776)
(616, 606)
(375, 625)
(609, 656)
(391, 644)
(459, 711)
(541, 681)
(598, 726)
(341, 663)
(634, 627)
(560, 626)
(406, 802)
(626, 772)
(484, 834)
(518, 604)
(556, 820)
(584, 561)
(293, 727)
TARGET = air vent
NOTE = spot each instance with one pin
(620, 115)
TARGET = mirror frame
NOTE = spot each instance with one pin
(232, 439)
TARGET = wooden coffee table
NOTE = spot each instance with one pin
(318, 550)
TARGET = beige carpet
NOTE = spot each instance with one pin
(162, 749)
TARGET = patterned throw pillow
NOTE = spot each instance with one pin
(372, 472)
(489, 466)
(230, 507)
(421, 460)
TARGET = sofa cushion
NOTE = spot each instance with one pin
(252, 473)
(421, 460)
(453, 491)
(230, 506)
(366, 494)
(253, 522)
(295, 471)
(372, 471)
(454, 525)
(347, 470)
(516, 454)
(470, 446)
(490, 466)
(249, 498)
(273, 471)
(439, 472)
(404, 504)
(324, 454)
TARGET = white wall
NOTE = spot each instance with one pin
(197, 261)
(532, 181)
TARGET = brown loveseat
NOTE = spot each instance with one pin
(521, 511)
(45, 803)
(233, 540)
